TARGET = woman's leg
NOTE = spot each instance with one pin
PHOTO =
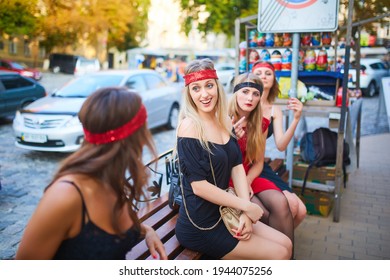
(265, 243)
(265, 217)
(297, 207)
(280, 217)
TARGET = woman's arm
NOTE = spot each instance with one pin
(282, 139)
(58, 211)
(154, 243)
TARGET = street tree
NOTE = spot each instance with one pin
(102, 23)
(19, 17)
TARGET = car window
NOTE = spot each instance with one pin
(375, 66)
(85, 85)
(154, 81)
(136, 83)
(12, 82)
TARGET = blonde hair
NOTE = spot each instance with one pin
(255, 144)
(189, 109)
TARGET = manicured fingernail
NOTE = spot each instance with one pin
(154, 256)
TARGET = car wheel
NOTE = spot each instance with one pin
(371, 89)
(56, 69)
(173, 117)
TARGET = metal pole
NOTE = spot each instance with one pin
(340, 138)
(292, 93)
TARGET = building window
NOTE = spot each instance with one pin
(12, 47)
(26, 48)
(1, 45)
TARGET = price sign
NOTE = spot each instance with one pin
(290, 16)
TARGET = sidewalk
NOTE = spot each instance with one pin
(363, 231)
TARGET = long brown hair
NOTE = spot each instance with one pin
(274, 90)
(255, 137)
(110, 164)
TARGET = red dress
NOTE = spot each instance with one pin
(258, 184)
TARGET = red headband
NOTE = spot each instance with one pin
(263, 64)
(200, 75)
(119, 133)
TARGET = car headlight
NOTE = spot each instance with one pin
(18, 120)
(74, 121)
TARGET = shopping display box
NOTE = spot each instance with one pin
(316, 202)
(322, 175)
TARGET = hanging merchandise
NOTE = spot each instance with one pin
(269, 39)
(278, 40)
(316, 39)
(310, 60)
(287, 60)
(252, 39)
(276, 60)
(265, 55)
(287, 42)
(322, 60)
(306, 39)
(326, 38)
(261, 39)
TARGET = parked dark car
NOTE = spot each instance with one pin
(21, 68)
(17, 92)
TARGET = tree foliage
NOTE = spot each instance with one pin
(215, 16)
(19, 17)
(108, 23)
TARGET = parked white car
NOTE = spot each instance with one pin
(372, 70)
(52, 124)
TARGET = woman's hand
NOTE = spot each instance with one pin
(254, 212)
(244, 230)
(154, 243)
(237, 126)
(295, 105)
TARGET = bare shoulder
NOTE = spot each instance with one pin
(277, 111)
(62, 194)
(187, 128)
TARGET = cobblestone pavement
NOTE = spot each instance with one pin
(24, 174)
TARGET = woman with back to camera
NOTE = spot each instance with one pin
(86, 211)
(273, 119)
(208, 156)
(245, 106)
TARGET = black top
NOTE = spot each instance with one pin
(93, 243)
(270, 128)
(195, 166)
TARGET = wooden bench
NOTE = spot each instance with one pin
(162, 218)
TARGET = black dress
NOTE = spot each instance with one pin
(195, 166)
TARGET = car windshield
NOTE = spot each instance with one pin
(19, 66)
(85, 85)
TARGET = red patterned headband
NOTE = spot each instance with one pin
(119, 133)
(200, 75)
(263, 64)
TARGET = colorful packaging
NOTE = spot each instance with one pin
(276, 60)
(278, 40)
(316, 39)
(261, 39)
(322, 61)
(309, 62)
(287, 42)
(269, 39)
(306, 39)
(326, 38)
(265, 55)
(287, 60)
